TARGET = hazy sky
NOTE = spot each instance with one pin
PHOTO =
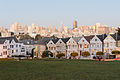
(55, 12)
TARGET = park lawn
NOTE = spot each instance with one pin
(50, 69)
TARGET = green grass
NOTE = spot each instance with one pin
(52, 69)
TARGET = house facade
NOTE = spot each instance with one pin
(9, 47)
(96, 45)
(109, 44)
(71, 47)
(52, 47)
(83, 45)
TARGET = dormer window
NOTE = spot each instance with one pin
(51, 43)
(60, 42)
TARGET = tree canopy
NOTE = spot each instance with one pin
(118, 31)
(99, 53)
(59, 55)
(37, 37)
(26, 36)
(116, 52)
(74, 54)
(47, 53)
(85, 54)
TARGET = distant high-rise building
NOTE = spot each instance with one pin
(98, 24)
(74, 24)
(54, 29)
(65, 29)
(61, 28)
(49, 28)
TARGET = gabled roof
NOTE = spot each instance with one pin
(116, 35)
(77, 39)
(55, 40)
(88, 38)
(44, 40)
(27, 42)
(65, 39)
(3, 39)
(102, 37)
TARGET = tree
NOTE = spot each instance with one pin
(54, 37)
(115, 52)
(59, 55)
(99, 53)
(32, 55)
(118, 31)
(47, 53)
(0, 34)
(74, 54)
(85, 54)
(12, 33)
(37, 37)
(26, 36)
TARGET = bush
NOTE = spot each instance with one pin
(85, 54)
(99, 53)
(59, 55)
(74, 54)
(115, 52)
(47, 54)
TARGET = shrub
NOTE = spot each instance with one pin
(74, 54)
(115, 52)
(47, 53)
(85, 54)
(59, 55)
(99, 53)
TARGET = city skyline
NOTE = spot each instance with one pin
(53, 13)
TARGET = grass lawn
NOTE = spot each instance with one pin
(50, 69)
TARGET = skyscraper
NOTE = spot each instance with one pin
(74, 24)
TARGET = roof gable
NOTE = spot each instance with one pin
(60, 42)
(95, 39)
(3, 39)
(88, 38)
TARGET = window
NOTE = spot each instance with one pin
(5, 53)
(95, 39)
(80, 45)
(4, 47)
(11, 46)
(73, 46)
(19, 45)
(51, 48)
(12, 51)
(22, 50)
(107, 44)
(16, 50)
(85, 46)
(83, 40)
(16, 45)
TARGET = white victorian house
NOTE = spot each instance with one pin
(60, 46)
(9, 46)
(97, 44)
(71, 47)
(51, 45)
(109, 44)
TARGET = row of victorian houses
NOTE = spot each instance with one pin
(10, 46)
(92, 44)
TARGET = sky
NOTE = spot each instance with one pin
(56, 12)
